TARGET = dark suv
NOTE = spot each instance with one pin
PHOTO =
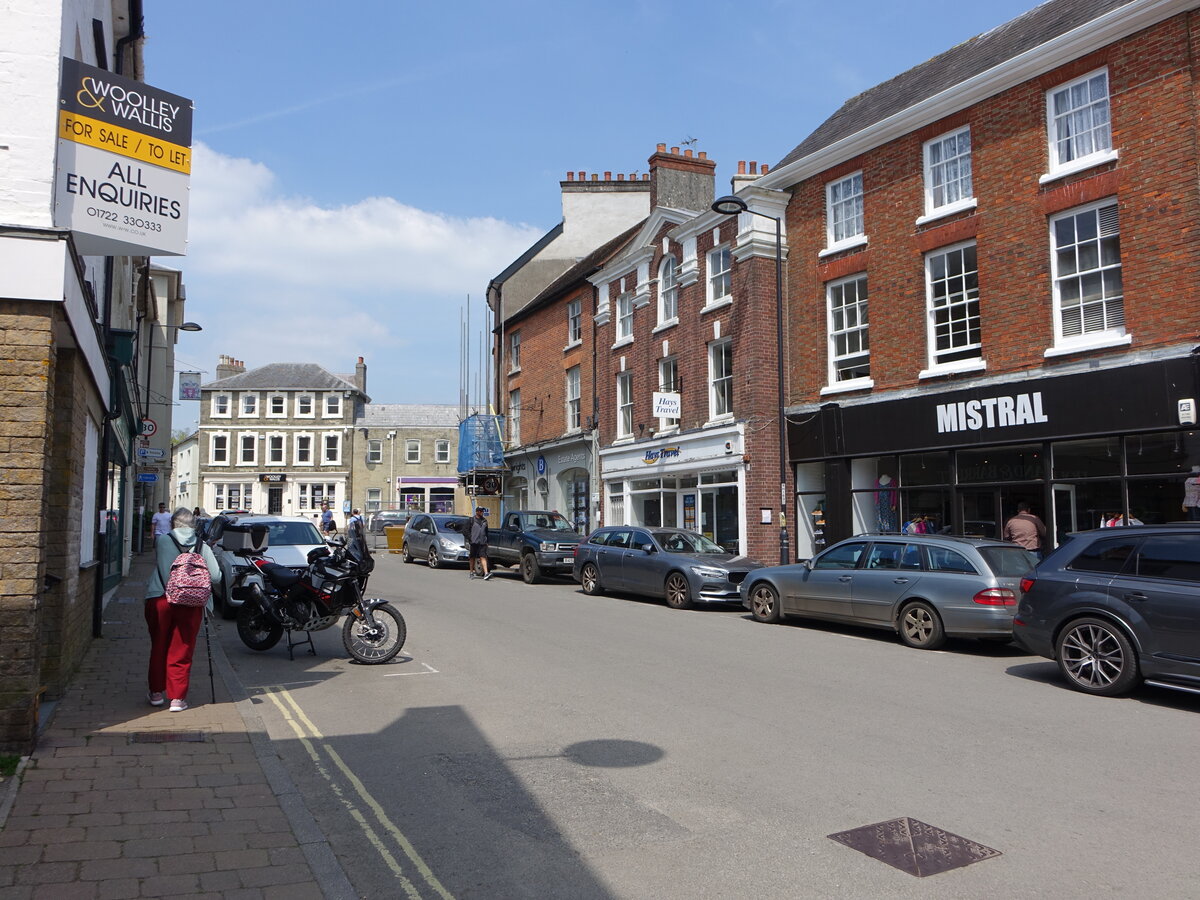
(1115, 605)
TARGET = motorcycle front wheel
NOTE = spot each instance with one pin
(378, 645)
(256, 629)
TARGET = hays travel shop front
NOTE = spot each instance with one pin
(1080, 448)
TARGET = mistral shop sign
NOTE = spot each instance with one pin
(124, 164)
(991, 412)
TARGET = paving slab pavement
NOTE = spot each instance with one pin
(121, 799)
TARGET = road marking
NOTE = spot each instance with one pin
(311, 738)
(429, 670)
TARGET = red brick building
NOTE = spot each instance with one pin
(992, 281)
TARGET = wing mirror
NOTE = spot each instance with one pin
(647, 549)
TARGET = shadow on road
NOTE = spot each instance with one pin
(1046, 672)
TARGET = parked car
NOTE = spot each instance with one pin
(923, 586)
(438, 539)
(386, 517)
(683, 567)
(289, 540)
(541, 542)
(1116, 605)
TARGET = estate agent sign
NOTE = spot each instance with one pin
(124, 164)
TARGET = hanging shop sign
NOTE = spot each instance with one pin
(124, 164)
(189, 385)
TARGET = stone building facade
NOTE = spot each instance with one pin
(406, 457)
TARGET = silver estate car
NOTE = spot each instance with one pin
(925, 587)
(683, 567)
(438, 539)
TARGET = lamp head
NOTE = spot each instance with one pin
(190, 326)
(729, 205)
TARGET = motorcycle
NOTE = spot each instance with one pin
(276, 600)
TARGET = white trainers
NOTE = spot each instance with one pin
(178, 705)
(156, 698)
(487, 576)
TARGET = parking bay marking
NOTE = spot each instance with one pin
(310, 737)
(429, 670)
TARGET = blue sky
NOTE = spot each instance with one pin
(362, 169)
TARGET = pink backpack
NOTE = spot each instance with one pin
(189, 583)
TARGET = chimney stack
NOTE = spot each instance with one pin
(227, 366)
(747, 174)
(360, 375)
(681, 180)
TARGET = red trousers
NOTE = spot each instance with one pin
(173, 633)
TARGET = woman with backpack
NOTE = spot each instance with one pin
(176, 596)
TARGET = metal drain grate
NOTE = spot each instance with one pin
(914, 847)
(167, 737)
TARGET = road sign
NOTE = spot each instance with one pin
(147, 477)
(149, 427)
(151, 452)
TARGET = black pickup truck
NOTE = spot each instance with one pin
(539, 541)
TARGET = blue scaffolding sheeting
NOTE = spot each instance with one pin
(479, 443)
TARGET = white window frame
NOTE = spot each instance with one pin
(312, 406)
(374, 499)
(1113, 307)
(214, 408)
(664, 423)
(441, 451)
(337, 440)
(514, 351)
(247, 439)
(959, 295)
(514, 417)
(212, 448)
(250, 398)
(952, 174)
(860, 304)
(330, 400)
(375, 451)
(719, 283)
(844, 196)
(574, 395)
(575, 322)
(720, 381)
(624, 405)
(271, 460)
(297, 450)
(624, 319)
(1099, 137)
(411, 445)
(270, 413)
(668, 291)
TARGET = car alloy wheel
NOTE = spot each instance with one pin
(434, 559)
(407, 555)
(678, 593)
(764, 603)
(1097, 658)
(920, 626)
(589, 578)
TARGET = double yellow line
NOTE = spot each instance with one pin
(382, 833)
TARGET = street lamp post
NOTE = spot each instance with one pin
(730, 205)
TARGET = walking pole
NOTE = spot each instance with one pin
(212, 687)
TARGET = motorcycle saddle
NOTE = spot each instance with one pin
(280, 576)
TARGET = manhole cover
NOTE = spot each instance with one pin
(166, 737)
(914, 847)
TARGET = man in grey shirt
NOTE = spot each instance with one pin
(477, 541)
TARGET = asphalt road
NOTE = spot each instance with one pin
(536, 742)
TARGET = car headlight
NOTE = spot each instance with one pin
(709, 572)
(447, 544)
(546, 546)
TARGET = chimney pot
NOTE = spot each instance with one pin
(645, 176)
(582, 175)
(753, 167)
(608, 176)
(570, 176)
(688, 152)
(620, 176)
(595, 177)
(741, 167)
(662, 148)
(360, 359)
(703, 154)
(674, 151)
(764, 168)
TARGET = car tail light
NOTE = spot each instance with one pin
(996, 597)
(1027, 584)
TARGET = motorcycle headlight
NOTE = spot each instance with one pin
(546, 546)
(710, 572)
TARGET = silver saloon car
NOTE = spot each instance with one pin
(438, 539)
(683, 567)
(924, 587)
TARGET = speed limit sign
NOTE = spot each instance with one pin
(149, 427)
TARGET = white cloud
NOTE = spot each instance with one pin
(278, 278)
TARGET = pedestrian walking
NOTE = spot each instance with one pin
(161, 520)
(477, 542)
(174, 626)
(328, 526)
(1026, 529)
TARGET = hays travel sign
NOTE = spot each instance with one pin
(124, 164)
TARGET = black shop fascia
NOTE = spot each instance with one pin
(1078, 447)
